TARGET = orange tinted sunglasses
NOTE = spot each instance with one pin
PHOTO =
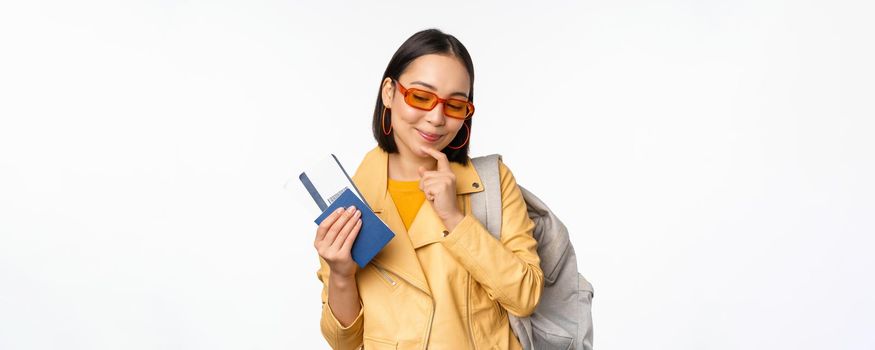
(427, 100)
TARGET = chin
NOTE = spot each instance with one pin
(421, 152)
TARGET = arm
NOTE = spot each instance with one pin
(509, 270)
(342, 314)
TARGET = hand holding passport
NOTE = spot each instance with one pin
(373, 234)
(331, 188)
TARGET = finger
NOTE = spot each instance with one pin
(338, 241)
(338, 225)
(435, 185)
(426, 186)
(421, 171)
(442, 163)
(347, 245)
(428, 189)
(431, 176)
(326, 224)
(425, 178)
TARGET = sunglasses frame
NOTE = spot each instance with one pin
(405, 92)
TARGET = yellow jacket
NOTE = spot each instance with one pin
(435, 289)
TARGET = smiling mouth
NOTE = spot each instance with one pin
(428, 137)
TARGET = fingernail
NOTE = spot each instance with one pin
(349, 210)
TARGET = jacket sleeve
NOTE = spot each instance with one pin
(509, 270)
(338, 337)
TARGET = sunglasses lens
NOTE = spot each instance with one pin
(420, 99)
(456, 108)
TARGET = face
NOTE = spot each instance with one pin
(443, 75)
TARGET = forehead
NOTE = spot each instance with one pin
(446, 73)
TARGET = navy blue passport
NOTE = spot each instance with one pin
(373, 234)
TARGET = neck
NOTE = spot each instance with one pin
(404, 166)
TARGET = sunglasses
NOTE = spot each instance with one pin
(426, 101)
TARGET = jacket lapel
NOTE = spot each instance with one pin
(427, 227)
(399, 256)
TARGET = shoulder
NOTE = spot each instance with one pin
(504, 172)
(369, 161)
(503, 169)
(506, 178)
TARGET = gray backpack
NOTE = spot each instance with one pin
(563, 317)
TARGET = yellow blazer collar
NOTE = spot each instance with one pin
(372, 175)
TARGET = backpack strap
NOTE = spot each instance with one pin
(486, 204)
(486, 207)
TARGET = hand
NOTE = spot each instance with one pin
(334, 238)
(440, 188)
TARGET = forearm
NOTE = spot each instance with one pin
(341, 323)
(343, 298)
(511, 275)
(508, 267)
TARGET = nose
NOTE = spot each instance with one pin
(436, 115)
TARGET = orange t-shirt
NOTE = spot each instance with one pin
(408, 198)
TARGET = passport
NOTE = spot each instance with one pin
(325, 179)
(373, 234)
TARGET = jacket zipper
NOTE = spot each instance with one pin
(468, 287)
(430, 316)
(386, 275)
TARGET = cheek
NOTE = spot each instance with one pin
(406, 115)
(458, 126)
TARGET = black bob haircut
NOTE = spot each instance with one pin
(424, 42)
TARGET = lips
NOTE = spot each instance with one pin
(429, 137)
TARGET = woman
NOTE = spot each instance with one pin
(443, 282)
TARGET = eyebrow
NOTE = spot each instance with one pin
(435, 89)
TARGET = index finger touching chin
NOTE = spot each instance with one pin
(442, 162)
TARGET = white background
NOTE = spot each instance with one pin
(712, 159)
